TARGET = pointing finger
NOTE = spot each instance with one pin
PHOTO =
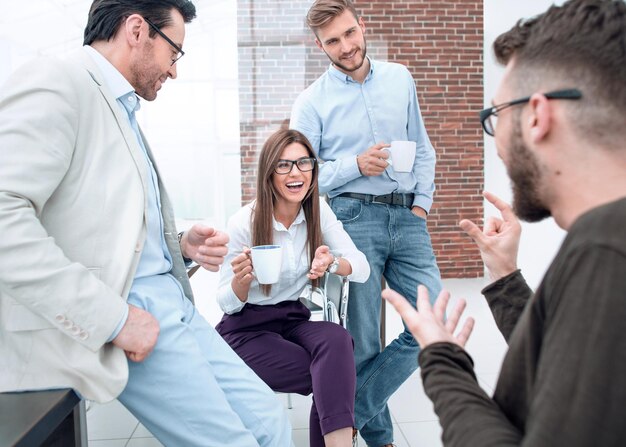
(472, 230)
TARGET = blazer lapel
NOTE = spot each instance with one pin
(122, 122)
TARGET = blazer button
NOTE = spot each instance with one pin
(84, 335)
(67, 324)
(60, 318)
(75, 330)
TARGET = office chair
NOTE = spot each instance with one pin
(330, 298)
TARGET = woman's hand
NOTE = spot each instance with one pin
(242, 274)
(321, 261)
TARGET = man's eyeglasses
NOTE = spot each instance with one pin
(488, 115)
(179, 51)
(304, 164)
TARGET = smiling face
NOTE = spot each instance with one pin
(292, 188)
(343, 41)
(153, 65)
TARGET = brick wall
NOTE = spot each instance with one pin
(440, 41)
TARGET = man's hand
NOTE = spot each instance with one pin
(419, 211)
(428, 325)
(138, 335)
(373, 161)
(205, 245)
(323, 258)
(499, 241)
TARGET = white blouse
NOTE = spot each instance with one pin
(295, 263)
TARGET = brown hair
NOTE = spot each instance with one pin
(324, 11)
(581, 44)
(266, 195)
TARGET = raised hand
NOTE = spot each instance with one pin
(138, 335)
(428, 324)
(321, 261)
(373, 161)
(205, 245)
(498, 242)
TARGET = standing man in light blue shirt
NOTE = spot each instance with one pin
(351, 114)
(94, 293)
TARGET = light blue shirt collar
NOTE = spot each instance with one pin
(336, 73)
(115, 82)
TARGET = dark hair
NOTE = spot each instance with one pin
(324, 11)
(105, 16)
(581, 44)
(266, 195)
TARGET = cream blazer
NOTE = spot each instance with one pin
(73, 183)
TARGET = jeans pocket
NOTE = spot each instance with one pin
(347, 210)
(420, 219)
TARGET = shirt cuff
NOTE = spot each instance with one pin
(352, 169)
(120, 325)
(229, 302)
(423, 202)
(503, 283)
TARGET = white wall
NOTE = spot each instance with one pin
(193, 126)
(540, 241)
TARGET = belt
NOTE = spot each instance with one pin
(393, 198)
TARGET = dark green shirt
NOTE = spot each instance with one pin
(563, 380)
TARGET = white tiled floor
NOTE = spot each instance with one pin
(415, 423)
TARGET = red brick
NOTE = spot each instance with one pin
(439, 41)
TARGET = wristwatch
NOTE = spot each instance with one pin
(185, 260)
(333, 266)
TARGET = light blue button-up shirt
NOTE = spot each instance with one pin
(342, 118)
(155, 257)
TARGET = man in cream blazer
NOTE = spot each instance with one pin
(84, 219)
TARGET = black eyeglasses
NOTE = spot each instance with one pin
(304, 164)
(487, 115)
(179, 51)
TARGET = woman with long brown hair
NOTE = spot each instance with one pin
(266, 324)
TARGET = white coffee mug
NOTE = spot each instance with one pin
(402, 155)
(266, 263)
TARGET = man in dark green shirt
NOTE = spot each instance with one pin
(562, 137)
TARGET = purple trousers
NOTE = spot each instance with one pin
(294, 355)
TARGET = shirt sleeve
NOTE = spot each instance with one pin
(424, 168)
(333, 173)
(341, 244)
(239, 234)
(581, 373)
(467, 415)
(119, 327)
(507, 298)
(579, 380)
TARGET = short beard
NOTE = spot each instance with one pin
(351, 70)
(525, 174)
(142, 72)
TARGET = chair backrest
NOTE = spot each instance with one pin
(330, 298)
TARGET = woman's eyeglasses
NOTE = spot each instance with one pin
(304, 164)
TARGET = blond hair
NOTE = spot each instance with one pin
(324, 11)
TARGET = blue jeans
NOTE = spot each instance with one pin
(397, 245)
